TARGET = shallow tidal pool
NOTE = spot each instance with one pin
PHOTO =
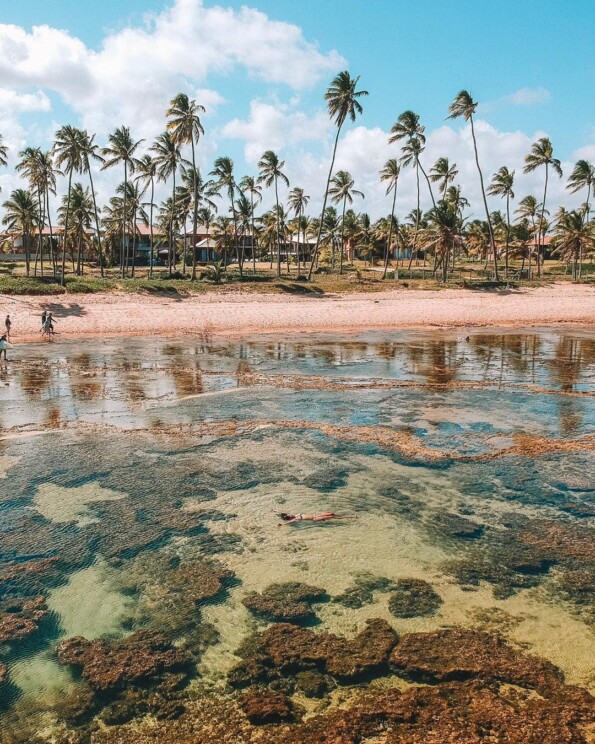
(139, 485)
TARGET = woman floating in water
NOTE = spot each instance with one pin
(289, 518)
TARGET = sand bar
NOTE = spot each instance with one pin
(80, 316)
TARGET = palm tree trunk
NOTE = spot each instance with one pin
(99, 251)
(124, 243)
(278, 231)
(507, 234)
(52, 253)
(151, 229)
(194, 212)
(485, 201)
(541, 227)
(428, 182)
(172, 246)
(235, 226)
(417, 216)
(328, 180)
(63, 282)
(133, 240)
(390, 236)
(253, 233)
(341, 244)
(39, 251)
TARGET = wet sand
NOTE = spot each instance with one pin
(85, 316)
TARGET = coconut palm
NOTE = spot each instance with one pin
(47, 178)
(67, 150)
(250, 185)
(464, 105)
(200, 192)
(342, 103)
(167, 156)
(574, 235)
(3, 152)
(297, 202)
(542, 154)
(146, 169)
(29, 167)
(529, 208)
(270, 172)
(582, 177)
(134, 192)
(442, 235)
(121, 149)
(21, 218)
(502, 185)
(90, 151)
(390, 174)
(186, 128)
(224, 179)
(342, 190)
(409, 127)
(79, 206)
(443, 173)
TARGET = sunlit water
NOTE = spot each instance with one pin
(116, 451)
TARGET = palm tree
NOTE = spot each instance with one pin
(133, 193)
(542, 153)
(80, 208)
(408, 127)
(464, 105)
(443, 234)
(21, 217)
(270, 172)
(167, 156)
(342, 102)
(68, 153)
(529, 209)
(574, 234)
(224, 179)
(250, 185)
(47, 179)
(443, 173)
(298, 201)
(199, 192)
(502, 185)
(121, 149)
(390, 173)
(29, 167)
(582, 176)
(186, 128)
(147, 171)
(90, 151)
(342, 191)
(3, 152)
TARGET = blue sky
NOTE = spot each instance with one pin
(530, 63)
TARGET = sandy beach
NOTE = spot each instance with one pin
(80, 316)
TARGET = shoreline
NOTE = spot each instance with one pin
(113, 315)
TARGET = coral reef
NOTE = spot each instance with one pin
(361, 592)
(413, 598)
(3, 673)
(21, 617)
(288, 602)
(266, 706)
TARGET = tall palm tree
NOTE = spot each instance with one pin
(250, 185)
(529, 209)
(200, 192)
(224, 179)
(186, 128)
(134, 192)
(342, 102)
(121, 149)
(47, 179)
(574, 234)
(442, 235)
(29, 167)
(270, 172)
(298, 201)
(390, 174)
(21, 217)
(502, 185)
(80, 208)
(206, 217)
(167, 156)
(68, 154)
(146, 173)
(90, 151)
(542, 154)
(443, 173)
(409, 127)
(582, 177)
(3, 152)
(342, 190)
(464, 105)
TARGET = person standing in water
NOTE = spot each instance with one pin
(4, 344)
(44, 316)
(7, 325)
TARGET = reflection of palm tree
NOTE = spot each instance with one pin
(121, 149)
(502, 183)
(250, 185)
(341, 98)
(342, 191)
(270, 172)
(390, 173)
(464, 105)
(542, 153)
(167, 156)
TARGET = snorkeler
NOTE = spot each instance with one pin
(289, 518)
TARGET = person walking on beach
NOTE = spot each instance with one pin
(48, 326)
(44, 316)
(4, 344)
(7, 325)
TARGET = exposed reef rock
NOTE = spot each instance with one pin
(140, 659)
(287, 649)
(413, 598)
(20, 617)
(288, 602)
(460, 654)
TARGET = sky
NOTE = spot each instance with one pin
(261, 68)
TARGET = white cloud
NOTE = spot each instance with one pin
(527, 97)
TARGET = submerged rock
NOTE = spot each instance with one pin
(313, 684)
(460, 654)
(413, 598)
(3, 673)
(21, 617)
(266, 706)
(142, 658)
(288, 649)
(290, 602)
(456, 526)
(362, 590)
(30, 577)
